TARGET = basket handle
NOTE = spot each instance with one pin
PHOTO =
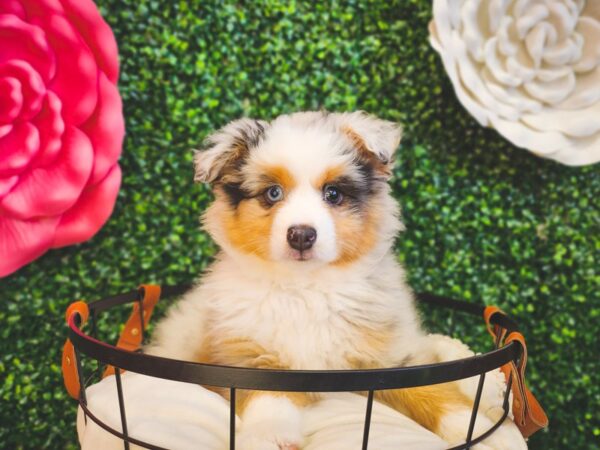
(132, 335)
(69, 358)
(528, 414)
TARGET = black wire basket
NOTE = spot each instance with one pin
(233, 378)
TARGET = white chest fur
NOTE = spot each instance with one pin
(319, 322)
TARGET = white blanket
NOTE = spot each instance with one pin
(182, 416)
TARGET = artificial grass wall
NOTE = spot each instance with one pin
(485, 221)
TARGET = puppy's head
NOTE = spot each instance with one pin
(306, 188)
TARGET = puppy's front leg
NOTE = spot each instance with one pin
(426, 405)
(445, 410)
(432, 406)
(270, 420)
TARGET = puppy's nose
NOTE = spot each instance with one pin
(301, 237)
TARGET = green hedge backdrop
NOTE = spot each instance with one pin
(485, 221)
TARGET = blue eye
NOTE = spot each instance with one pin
(332, 195)
(274, 194)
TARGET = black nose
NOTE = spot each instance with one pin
(301, 237)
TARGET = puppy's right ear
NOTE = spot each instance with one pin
(226, 148)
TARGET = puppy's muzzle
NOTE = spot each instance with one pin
(301, 237)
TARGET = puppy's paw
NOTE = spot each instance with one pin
(249, 440)
(454, 425)
(269, 436)
(270, 423)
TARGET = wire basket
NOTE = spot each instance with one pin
(126, 356)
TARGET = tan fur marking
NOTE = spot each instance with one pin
(425, 404)
(356, 234)
(367, 353)
(364, 152)
(248, 227)
(329, 175)
(280, 175)
(243, 352)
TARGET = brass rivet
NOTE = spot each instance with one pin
(135, 331)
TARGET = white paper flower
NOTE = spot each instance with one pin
(528, 68)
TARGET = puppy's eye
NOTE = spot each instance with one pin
(332, 195)
(274, 194)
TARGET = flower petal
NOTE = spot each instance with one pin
(105, 129)
(447, 18)
(497, 66)
(580, 152)
(22, 41)
(508, 41)
(40, 8)
(6, 184)
(5, 129)
(17, 148)
(76, 80)
(586, 91)
(23, 241)
(450, 57)
(528, 17)
(32, 86)
(12, 7)
(471, 79)
(563, 19)
(51, 126)
(553, 73)
(578, 123)
(474, 30)
(590, 57)
(515, 97)
(96, 33)
(591, 9)
(544, 143)
(12, 99)
(90, 212)
(535, 42)
(521, 66)
(551, 92)
(51, 190)
(496, 14)
(564, 52)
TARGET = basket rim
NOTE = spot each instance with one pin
(292, 380)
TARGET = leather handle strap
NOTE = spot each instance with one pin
(498, 333)
(69, 361)
(528, 414)
(132, 335)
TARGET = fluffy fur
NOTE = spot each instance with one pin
(341, 304)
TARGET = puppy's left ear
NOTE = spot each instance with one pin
(226, 148)
(375, 140)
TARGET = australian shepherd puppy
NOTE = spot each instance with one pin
(306, 277)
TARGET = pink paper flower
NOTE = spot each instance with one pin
(61, 126)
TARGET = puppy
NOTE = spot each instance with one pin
(306, 277)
